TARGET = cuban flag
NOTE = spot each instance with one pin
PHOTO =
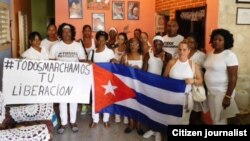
(151, 99)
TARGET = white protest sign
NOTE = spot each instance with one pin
(2, 108)
(29, 81)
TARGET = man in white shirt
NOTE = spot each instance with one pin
(172, 39)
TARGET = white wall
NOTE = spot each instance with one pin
(227, 20)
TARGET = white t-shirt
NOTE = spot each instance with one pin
(48, 44)
(171, 44)
(33, 54)
(199, 58)
(216, 75)
(102, 57)
(67, 52)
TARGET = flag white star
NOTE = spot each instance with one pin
(109, 88)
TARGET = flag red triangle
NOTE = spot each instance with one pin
(104, 82)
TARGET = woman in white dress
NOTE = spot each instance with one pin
(119, 52)
(70, 51)
(88, 44)
(133, 58)
(181, 69)
(35, 52)
(87, 41)
(111, 43)
(102, 54)
(51, 38)
(198, 57)
(154, 62)
(221, 76)
(122, 47)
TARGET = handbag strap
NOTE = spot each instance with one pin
(86, 53)
(92, 57)
(193, 67)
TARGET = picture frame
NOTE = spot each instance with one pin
(133, 10)
(75, 9)
(98, 21)
(98, 4)
(243, 16)
(118, 10)
(160, 22)
(242, 1)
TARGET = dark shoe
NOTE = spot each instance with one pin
(74, 128)
(61, 129)
(140, 132)
(106, 124)
(128, 130)
(92, 125)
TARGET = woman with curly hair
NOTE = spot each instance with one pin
(133, 58)
(221, 76)
(71, 51)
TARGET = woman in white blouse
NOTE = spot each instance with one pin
(221, 76)
(199, 58)
(35, 52)
(181, 69)
(133, 58)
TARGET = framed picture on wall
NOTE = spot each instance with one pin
(243, 16)
(75, 9)
(118, 10)
(98, 21)
(133, 10)
(98, 4)
(242, 1)
(160, 22)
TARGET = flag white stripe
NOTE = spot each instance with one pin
(154, 115)
(153, 92)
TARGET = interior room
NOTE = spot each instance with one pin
(35, 89)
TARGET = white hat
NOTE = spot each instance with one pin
(158, 37)
(112, 28)
(66, 27)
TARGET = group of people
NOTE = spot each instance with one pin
(169, 56)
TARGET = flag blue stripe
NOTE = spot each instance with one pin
(174, 85)
(164, 108)
(125, 111)
(173, 110)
